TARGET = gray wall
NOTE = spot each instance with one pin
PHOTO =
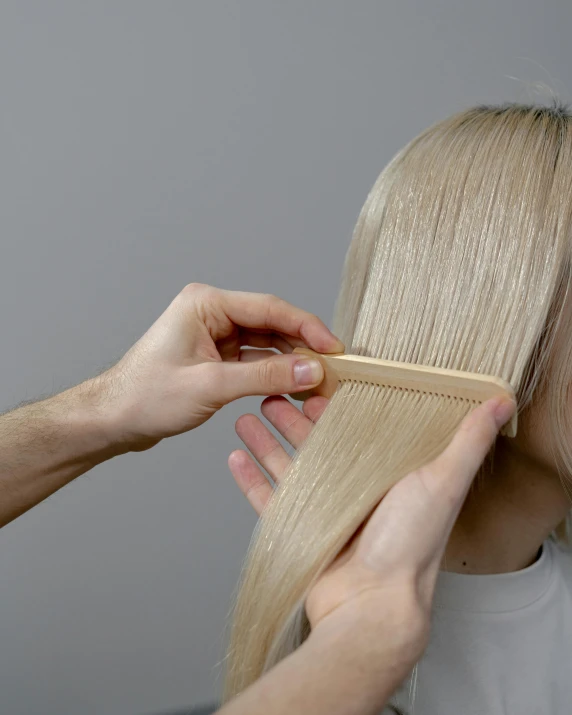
(144, 145)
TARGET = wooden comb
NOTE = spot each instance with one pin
(423, 378)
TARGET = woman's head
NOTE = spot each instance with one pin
(459, 259)
(464, 238)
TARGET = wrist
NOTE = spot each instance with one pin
(119, 412)
(376, 641)
(87, 412)
(347, 665)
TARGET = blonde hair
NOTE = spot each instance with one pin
(459, 259)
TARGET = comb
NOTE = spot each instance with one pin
(421, 378)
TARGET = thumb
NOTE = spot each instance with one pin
(276, 375)
(413, 522)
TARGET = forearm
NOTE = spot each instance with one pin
(346, 670)
(47, 444)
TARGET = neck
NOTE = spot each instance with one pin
(507, 515)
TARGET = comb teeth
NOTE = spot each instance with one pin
(408, 389)
(472, 387)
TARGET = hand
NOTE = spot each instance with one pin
(190, 362)
(387, 573)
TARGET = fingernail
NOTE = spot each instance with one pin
(308, 372)
(504, 411)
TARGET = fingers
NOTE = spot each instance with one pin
(410, 527)
(229, 348)
(449, 476)
(259, 337)
(267, 312)
(268, 340)
(266, 449)
(314, 406)
(255, 355)
(289, 421)
(292, 424)
(250, 479)
(222, 382)
(232, 348)
(247, 355)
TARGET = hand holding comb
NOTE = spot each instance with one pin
(423, 378)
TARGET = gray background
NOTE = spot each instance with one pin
(144, 145)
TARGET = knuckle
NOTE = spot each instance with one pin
(266, 372)
(270, 374)
(198, 297)
(194, 289)
(255, 493)
(270, 303)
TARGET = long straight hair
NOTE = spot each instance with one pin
(459, 259)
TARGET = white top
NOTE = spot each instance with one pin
(500, 644)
